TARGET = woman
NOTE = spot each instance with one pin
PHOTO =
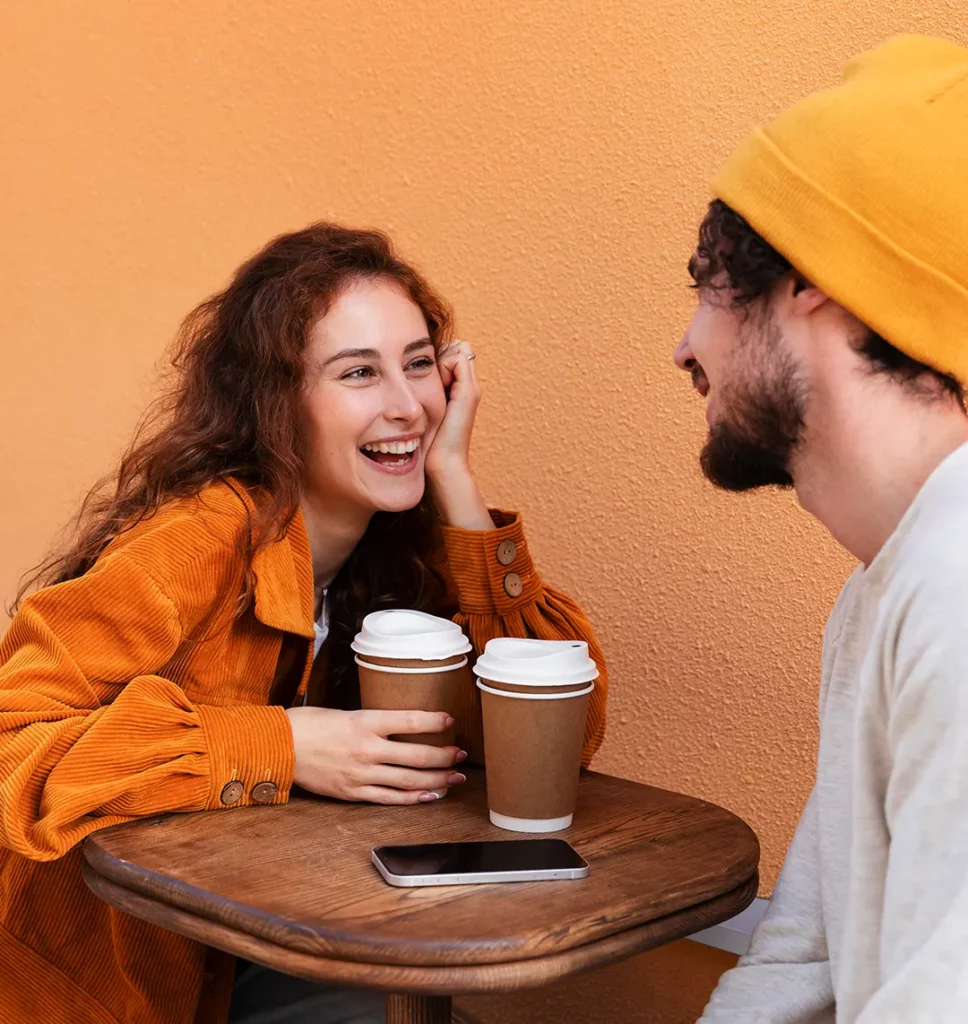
(190, 650)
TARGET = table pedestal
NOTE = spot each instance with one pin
(416, 1009)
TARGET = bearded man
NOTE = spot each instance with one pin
(830, 343)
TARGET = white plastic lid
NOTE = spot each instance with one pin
(536, 662)
(403, 633)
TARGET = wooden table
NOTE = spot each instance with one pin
(292, 888)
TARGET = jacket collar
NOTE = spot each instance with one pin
(284, 593)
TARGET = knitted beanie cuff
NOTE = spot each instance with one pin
(918, 309)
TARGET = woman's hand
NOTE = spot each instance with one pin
(347, 755)
(448, 464)
(450, 451)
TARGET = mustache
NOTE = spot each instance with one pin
(697, 374)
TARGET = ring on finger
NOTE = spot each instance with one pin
(460, 342)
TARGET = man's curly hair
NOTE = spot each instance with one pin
(732, 257)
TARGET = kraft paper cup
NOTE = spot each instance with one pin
(400, 684)
(534, 701)
(411, 661)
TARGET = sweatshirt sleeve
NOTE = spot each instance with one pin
(785, 976)
(501, 594)
(91, 735)
(924, 921)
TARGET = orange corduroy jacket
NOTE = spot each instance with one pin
(136, 690)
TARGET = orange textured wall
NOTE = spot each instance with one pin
(546, 162)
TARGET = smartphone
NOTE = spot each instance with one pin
(515, 860)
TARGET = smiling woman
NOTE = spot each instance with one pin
(191, 649)
(374, 398)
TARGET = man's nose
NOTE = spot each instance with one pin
(683, 356)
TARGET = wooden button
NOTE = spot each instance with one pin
(507, 551)
(264, 792)
(513, 585)
(232, 793)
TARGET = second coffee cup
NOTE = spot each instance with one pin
(412, 661)
(534, 702)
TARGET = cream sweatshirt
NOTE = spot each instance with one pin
(869, 919)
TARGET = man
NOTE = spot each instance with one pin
(829, 342)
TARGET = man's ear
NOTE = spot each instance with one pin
(800, 297)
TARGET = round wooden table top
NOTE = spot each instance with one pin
(292, 886)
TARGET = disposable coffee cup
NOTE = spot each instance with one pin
(534, 701)
(412, 661)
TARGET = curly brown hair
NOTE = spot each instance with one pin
(231, 413)
(733, 257)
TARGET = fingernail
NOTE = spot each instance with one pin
(426, 798)
(461, 756)
(455, 779)
(449, 722)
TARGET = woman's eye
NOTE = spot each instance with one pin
(360, 373)
(423, 363)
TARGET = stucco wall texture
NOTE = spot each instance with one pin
(546, 163)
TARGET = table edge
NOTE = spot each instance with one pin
(441, 979)
(200, 904)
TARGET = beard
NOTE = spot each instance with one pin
(761, 426)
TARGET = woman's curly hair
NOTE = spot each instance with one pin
(231, 413)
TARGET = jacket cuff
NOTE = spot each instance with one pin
(492, 569)
(251, 754)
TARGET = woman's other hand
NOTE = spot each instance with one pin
(448, 462)
(450, 451)
(348, 755)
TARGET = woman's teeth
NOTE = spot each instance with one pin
(392, 453)
(393, 447)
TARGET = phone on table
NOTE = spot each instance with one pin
(515, 860)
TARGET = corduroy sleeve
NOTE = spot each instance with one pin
(91, 736)
(500, 594)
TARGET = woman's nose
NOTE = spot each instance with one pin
(402, 403)
(683, 356)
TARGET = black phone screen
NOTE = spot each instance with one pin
(479, 858)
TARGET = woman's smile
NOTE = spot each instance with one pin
(395, 455)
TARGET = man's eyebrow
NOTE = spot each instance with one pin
(692, 266)
(372, 353)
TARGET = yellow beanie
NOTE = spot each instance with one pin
(864, 189)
